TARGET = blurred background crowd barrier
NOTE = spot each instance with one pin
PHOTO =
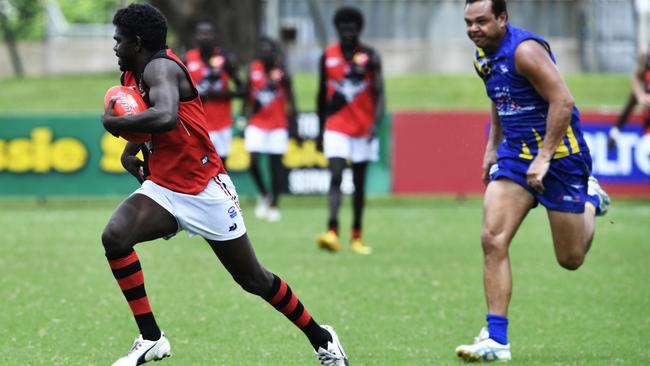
(412, 35)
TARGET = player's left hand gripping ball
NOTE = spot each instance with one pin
(127, 102)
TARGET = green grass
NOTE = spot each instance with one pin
(409, 303)
(84, 94)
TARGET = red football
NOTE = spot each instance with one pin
(127, 102)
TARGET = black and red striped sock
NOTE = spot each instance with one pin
(128, 273)
(286, 302)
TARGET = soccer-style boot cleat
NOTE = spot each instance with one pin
(144, 351)
(357, 246)
(484, 349)
(329, 241)
(594, 189)
(334, 354)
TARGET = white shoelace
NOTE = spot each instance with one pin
(135, 346)
(328, 358)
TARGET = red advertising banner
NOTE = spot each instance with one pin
(442, 153)
(438, 152)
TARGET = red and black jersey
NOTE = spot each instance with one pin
(182, 159)
(268, 95)
(218, 111)
(350, 104)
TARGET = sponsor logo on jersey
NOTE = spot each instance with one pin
(204, 159)
(360, 58)
(217, 61)
(569, 198)
(232, 212)
(193, 66)
(332, 61)
(276, 74)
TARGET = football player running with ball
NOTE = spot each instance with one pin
(187, 189)
(535, 154)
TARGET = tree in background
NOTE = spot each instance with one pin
(16, 16)
(238, 22)
(90, 11)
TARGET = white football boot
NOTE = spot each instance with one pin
(484, 349)
(262, 207)
(273, 214)
(144, 351)
(594, 189)
(334, 354)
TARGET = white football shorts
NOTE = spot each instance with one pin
(213, 214)
(257, 140)
(221, 140)
(355, 149)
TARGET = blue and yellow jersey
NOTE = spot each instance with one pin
(522, 111)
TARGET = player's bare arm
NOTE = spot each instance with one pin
(247, 105)
(232, 67)
(292, 111)
(131, 162)
(638, 79)
(533, 62)
(494, 139)
(378, 92)
(165, 79)
(240, 89)
(637, 96)
(321, 100)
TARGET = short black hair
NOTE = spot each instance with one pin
(498, 6)
(144, 21)
(348, 14)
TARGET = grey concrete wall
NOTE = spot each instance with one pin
(399, 57)
(62, 57)
(454, 56)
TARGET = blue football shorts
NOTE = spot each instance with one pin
(565, 183)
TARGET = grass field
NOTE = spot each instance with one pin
(409, 303)
(83, 94)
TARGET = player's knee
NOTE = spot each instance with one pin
(336, 179)
(493, 243)
(113, 241)
(571, 262)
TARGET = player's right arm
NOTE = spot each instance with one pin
(320, 102)
(292, 110)
(638, 79)
(232, 67)
(248, 99)
(494, 139)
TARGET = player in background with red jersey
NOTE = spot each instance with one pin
(212, 69)
(350, 106)
(271, 112)
(187, 189)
